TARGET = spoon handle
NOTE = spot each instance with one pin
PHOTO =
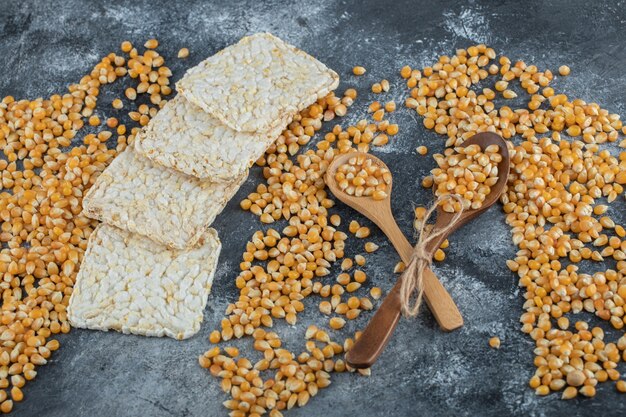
(438, 299)
(378, 332)
(441, 303)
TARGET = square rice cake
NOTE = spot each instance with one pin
(132, 284)
(170, 207)
(257, 84)
(184, 137)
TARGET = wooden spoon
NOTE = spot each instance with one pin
(380, 328)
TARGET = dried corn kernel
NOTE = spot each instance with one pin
(358, 70)
(370, 247)
(336, 323)
(494, 342)
(151, 44)
(376, 293)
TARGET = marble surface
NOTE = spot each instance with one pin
(45, 46)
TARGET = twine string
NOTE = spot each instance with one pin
(412, 288)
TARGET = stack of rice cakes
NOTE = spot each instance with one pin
(149, 267)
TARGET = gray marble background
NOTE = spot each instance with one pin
(46, 45)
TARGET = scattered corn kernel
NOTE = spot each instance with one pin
(359, 276)
(375, 292)
(336, 323)
(130, 93)
(588, 391)
(494, 342)
(151, 44)
(399, 268)
(390, 106)
(370, 247)
(576, 378)
(569, 393)
(374, 107)
(94, 121)
(358, 70)
(509, 94)
(346, 264)
(325, 307)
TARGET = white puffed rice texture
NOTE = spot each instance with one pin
(257, 84)
(131, 284)
(184, 137)
(170, 207)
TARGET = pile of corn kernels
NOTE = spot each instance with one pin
(561, 176)
(280, 268)
(549, 203)
(44, 233)
(553, 204)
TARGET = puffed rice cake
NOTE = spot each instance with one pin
(170, 207)
(129, 283)
(257, 84)
(184, 137)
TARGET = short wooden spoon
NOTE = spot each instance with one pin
(380, 328)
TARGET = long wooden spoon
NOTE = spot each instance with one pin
(380, 328)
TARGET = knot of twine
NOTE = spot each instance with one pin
(412, 288)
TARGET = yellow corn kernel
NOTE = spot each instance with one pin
(151, 44)
(376, 293)
(494, 342)
(358, 70)
(359, 276)
(509, 94)
(130, 93)
(370, 247)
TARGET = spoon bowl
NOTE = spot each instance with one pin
(483, 140)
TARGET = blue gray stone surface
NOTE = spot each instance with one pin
(46, 45)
